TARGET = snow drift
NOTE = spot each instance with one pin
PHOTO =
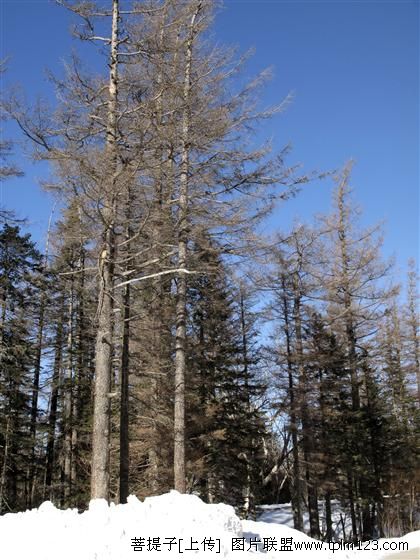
(162, 527)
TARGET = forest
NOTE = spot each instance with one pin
(161, 339)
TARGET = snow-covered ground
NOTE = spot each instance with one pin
(164, 527)
(283, 514)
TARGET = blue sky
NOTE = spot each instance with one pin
(353, 68)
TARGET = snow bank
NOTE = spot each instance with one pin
(105, 532)
(163, 527)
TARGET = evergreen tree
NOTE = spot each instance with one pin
(19, 262)
(227, 426)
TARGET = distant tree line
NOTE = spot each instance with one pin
(132, 358)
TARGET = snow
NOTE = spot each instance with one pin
(283, 514)
(106, 532)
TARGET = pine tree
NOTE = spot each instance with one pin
(398, 470)
(19, 262)
(227, 427)
(355, 304)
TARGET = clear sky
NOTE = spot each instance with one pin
(353, 68)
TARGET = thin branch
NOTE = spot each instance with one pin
(157, 274)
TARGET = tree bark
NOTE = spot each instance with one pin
(3, 477)
(311, 485)
(296, 494)
(68, 401)
(124, 403)
(34, 403)
(52, 416)
(352, 505)
(248, 494)
(328, 517)
(104, 342)
(181, 303)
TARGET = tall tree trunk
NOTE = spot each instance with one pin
(296, 494)
(104, 342)
(125, 361)
(350, 336)
(4, 468)
(6, 435)
(52, 416)
(68, 401)
(352, 505)
(159, 237)
(327, 475)
(328, 517)
(34, 402)
(80, 380)
(124, 402)
(3, 315)
(181, 296)
(311, 485)
(37, 372)
(248, 494)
